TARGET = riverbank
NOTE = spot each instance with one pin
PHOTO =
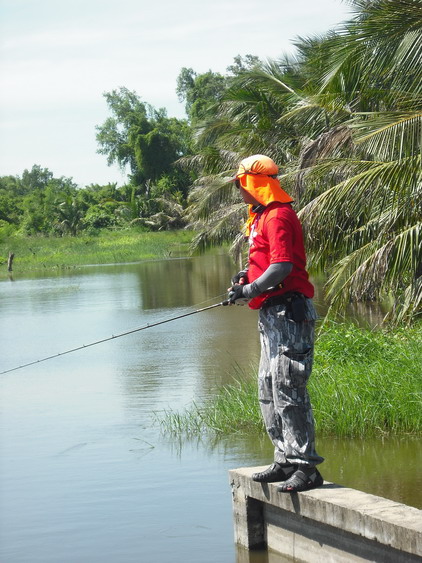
(364, 383)
(106, 247)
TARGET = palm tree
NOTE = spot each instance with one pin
(69, 214)
(367, 226)
(246, 121)
(344, 121)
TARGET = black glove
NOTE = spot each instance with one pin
(241, 274)
(235, 293)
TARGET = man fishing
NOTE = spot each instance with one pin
(276, 284)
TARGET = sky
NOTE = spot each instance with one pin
(58, 57)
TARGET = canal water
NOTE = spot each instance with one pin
(87, 475)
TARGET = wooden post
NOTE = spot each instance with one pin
(10, 261)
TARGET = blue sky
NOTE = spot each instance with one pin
(57, 58)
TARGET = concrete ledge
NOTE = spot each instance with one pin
(331, 523)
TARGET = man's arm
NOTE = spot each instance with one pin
(273, 276)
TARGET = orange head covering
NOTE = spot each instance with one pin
(257, 175)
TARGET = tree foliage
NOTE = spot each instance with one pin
(143, 139)
(203, 92)
(343, 119)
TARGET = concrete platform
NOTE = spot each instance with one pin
(328, 524)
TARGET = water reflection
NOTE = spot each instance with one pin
(260, 556)
(191, 281)
(383, 466)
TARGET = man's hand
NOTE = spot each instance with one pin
(240, 278)
(235, 293)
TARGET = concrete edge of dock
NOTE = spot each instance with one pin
(328, 523)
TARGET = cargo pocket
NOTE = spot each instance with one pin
(294, 368)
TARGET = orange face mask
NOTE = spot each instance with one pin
(264, 189)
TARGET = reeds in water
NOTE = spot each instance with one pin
(364, 382)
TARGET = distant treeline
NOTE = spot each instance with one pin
(140, 139)
(38, 203)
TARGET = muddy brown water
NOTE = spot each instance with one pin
(86, 473)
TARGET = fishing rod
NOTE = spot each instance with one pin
(114, 336)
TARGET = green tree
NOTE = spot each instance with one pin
(35, 179)
(244, 64)
(199, 92)
(11, 209)
(30, 202)
(141, 137)
(202, 93)
(69, 213)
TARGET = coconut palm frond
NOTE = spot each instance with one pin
(369, 206)
(372, 182)
(409, 306)
(382, 40)
(210, 160)
(407, 67)
(210, 194)
(375, 272)
(353, 278)
(326, 144)
(269, 75)
(222, 225)
(311, 111)
(169, 204)
(390, 134)
(209, 134)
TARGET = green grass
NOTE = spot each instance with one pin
(364, 383)
(233, 409)
(108, 247)
(368, 382)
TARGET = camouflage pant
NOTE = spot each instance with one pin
(287, 350)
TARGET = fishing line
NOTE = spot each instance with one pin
(114, 336)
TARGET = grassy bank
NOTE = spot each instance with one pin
(107, 247)
(363, 383)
